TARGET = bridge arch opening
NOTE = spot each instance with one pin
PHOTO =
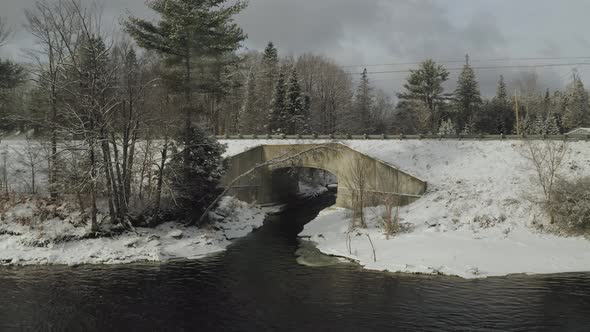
(296, 182)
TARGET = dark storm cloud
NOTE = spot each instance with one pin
(373, 32)
(408, 28)
(366, 32)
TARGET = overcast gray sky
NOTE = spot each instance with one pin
(368, 32)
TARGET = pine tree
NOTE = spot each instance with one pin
(502, 110)
(194, 193)
(266, 80)
(363, 106)
(425, 84)
(467, 95)
(11, 74)
(268, 71)
(189, 31)
(278, 110)
(538, 126)
(577, 109)
(294, 117)
(551, 124)
(501, 93)
(447, 127)
(527, 125)
(306, 123)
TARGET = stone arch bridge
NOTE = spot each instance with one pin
(356, 173)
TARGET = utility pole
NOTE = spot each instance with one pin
(516, 112)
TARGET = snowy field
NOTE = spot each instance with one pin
(58, 241)
(474, 221)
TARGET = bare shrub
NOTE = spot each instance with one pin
(356, 183)
(391, 224)
(570, 205)
(546, 159)
(31, 156)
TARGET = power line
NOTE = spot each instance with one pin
(481, 68)
(471, 60)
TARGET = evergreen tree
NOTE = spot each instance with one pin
(266, 80)
(551, 124)
(469, 128)
(363, 106)
(527, 125)
(501, 93)
(11, 74)
(467, 95)
(447, 127)
(269, 69)
(425, 84)
(277, 124)
(189, 31)
(411, 117)
(205, 168)
(577, 109)
(502, 109)
(306, 123)
(538, 126)
(294, 117)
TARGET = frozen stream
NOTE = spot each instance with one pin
(258, 285)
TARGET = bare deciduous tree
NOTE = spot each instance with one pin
(31, 155)
(546, 159)
(356, 183)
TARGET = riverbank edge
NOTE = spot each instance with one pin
(480, 255)
(29, 246)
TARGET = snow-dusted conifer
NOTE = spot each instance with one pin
(294, 115)
(447, 127)
(577, 109)
(363, 105)
(467, 95)
(551, 124)
(277, 115)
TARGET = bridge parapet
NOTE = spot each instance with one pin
(577, 137)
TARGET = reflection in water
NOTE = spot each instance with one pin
(257, 285)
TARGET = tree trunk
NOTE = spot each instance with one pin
(188, 113)
(161, 178)
(93, 209)
(53, 169)
(120, 196)
(144, 169)
(130, 162)
(110, 181)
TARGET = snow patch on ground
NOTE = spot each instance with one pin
(60, 242)
(474, 221)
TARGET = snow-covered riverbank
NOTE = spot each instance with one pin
(464, 250)
(57, 241)
(474, 221)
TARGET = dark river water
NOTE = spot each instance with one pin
(257, 285)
